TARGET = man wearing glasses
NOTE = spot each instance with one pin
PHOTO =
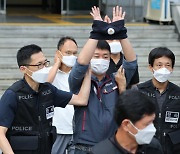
(27, 107)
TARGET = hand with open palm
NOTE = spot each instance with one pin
(118, 14)
(96, 13)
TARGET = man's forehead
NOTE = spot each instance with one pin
(69, 48)
(163, 59)
(101, 51)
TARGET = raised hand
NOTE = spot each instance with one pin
(118, 14)
(121, 79)
(58, 57)
(96, 13)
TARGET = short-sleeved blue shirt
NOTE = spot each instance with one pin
(9, 102)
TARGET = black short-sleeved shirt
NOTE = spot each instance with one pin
(114, 68)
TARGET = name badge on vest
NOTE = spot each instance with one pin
(49, 112)
(172, 117)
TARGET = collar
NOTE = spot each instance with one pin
(28, 86)
(119, 63)
(140, 149)
(95, 79)
(158, 89)
(118, 146)
(63, 71)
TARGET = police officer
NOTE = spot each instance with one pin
(166, 95)
(27, 107)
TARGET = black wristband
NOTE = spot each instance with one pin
(104, 31)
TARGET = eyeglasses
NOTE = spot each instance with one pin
(41, 65)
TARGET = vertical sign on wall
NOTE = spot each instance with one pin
(156, 4)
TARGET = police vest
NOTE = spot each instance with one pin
(31, 129)
(167, 120)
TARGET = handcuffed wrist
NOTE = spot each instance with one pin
(108, 31)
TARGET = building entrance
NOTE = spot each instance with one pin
(77, 6)
(47, 6)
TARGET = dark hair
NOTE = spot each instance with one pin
(133, 105)
(103, 45)
(161, 52)
(24, 54)
(63, 40)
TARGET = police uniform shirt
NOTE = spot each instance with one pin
(160, 97)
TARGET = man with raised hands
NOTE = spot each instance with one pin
(95, 122)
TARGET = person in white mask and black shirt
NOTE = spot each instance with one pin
(65, 59)
(116, 61)
(134, 114)
(166, 96)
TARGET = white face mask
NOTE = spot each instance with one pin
(41, 75)
(69, 60)
(162, 74)
(99, 66)
(115, 47)
(144, 136)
